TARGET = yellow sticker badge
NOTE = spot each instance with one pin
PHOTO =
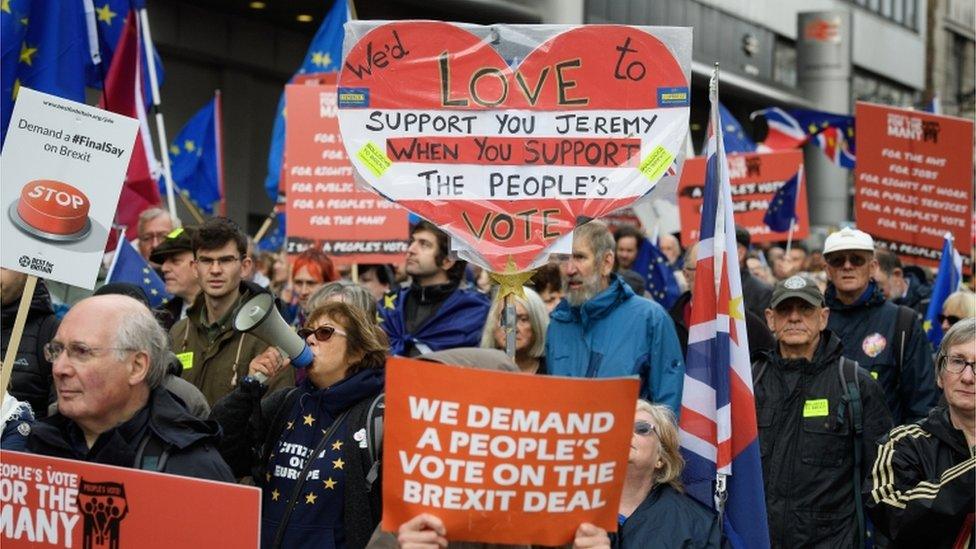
(655, 163)
(374, 158)
(816, 408)
(186, 359)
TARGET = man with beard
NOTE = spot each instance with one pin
(602, 329)
(433, 313)
(214, 355)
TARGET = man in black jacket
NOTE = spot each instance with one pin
(109, 357)
(818, 415)
(31, 377)
(920, 492)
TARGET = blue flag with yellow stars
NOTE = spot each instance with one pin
(45, 48)
(652, 264)
(324, 55)
(946, 282)
(782, 209)
(130, 267)
(193, 159)
(736, 140)
(110, 20)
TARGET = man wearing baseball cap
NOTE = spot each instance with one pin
(819, 415)
(884, 338)
(175, 254)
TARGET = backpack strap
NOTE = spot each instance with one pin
(374, 438)
(904, 320)
(847, 370)
(152, 454)
(758, 369)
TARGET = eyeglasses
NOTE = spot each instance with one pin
(322, 333)
(644, 429)
(956, 364)
(79, 352)
(951, 319)
(838, 260)
(224, 261)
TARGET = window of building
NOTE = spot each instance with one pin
(784, 63)
(903, 12)
(877, 89)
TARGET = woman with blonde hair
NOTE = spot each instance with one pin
(654, 511)
(531, 323)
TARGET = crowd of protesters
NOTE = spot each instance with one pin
(867, 433)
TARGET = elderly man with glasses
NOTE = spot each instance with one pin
(884, 338)
(214, 355)
(109, 357)
(921, 488)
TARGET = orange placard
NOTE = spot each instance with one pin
(914, 181)
(473, 448)
(755, 178)
(325, 208)
(51, 502)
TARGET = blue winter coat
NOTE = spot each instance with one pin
(618, 334)
(456, 323)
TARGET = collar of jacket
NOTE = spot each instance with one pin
(871, 297)
(600, 306)
(345, 393)
(940, 425)
(433, 294)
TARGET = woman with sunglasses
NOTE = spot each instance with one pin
(328, 499)
(957, 306)
(654, 511)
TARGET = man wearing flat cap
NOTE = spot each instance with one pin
(175, 254)
(819, 415)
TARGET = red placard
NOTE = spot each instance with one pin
(914, 181)
(325, 208)
(495, 467)
(51, 502)
(755, 179)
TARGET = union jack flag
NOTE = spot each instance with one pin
(832, 133)
(719, 437)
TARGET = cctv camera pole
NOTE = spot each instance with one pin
(18, 330)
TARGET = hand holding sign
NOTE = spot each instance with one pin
(506, 150)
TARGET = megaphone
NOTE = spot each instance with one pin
(259, 317)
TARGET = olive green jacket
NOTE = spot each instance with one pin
(215, 366)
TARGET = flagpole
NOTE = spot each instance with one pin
(160, 126)
(115, 258)
(796, 202)
(219, 141)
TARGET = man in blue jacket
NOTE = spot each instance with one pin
(602, 329)
(884, 338)
(434, 313)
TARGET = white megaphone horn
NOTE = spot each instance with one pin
(259, 317)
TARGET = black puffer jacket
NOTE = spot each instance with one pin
(902, 363)
(920, 490)
(190, 444)
(31, 379)
(807, 445)
(665, 519)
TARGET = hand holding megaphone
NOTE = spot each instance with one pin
(259, 317)
(267, 364)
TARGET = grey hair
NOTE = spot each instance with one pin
(538, 319)
(960, 333)
(149, 214)
(598, 237)
(140, 331)
(347, 292)
(962, 299)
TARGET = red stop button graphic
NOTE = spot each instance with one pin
(53, 209)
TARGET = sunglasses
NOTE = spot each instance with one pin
(951, 319)
(322, 333)
(838, 260)
(644, 429)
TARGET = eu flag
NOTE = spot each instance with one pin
(782, 210)
(946, 282)
(110, 21)
(736, 140)
(129, 266)
(324, 55)
(652, 264)
(45, 47)
(194, 159)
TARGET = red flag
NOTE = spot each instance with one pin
(124, 95)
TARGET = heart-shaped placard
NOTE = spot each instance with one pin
(508, 156)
